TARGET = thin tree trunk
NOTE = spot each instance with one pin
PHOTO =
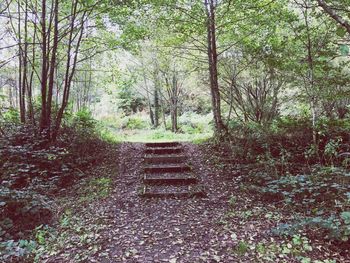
(69, 73)
(310, 81)
(174, 99)
(52, 70)
(213, 73)
(25, 61)
(156, 107)
(163, 116)
(151, 115)
(43, 120)
(21, 79)
(30, 85)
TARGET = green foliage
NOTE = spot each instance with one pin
(130, 101)
(107, 135)
(73, 231)
(81, 123)
(341, 31)
(16, 250)
(314, 196)
(10, 116)
(344, 50)
(297, 247)
(25, 156)
(334, 227)
(32, 167)
(20, 211)
(134, 123)
(241, 248)
(286, 172)
(192, 123)
(83, 120)
(96, 188)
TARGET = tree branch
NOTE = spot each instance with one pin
(334, 15)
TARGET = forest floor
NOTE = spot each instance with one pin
(112, 223)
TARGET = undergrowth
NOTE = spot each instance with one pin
(35, 171)
(280, 165)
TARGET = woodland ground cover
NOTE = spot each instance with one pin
(303, 195)
(262, 86)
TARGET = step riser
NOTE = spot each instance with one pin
(167, 173)
(163, 160)
(163, 151)
(167, 181)
(172, 195)
(167, 169)
(162, 144)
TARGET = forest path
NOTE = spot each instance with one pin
(167, 229)
(229, 224)
(126, 227)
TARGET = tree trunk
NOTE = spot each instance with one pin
(21, 76)
(220, 128)
(70, 68)
(43, 120)
(151, 115)
(30, 84)
(174, 99)
(163, 116)
(156, 107)
(174, 120)
(52, 71)
(310, 82)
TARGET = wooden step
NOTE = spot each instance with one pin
(167, 168)
(161, 159)
(169, 179)
(185, 191)
(162, 144)
(163, 150)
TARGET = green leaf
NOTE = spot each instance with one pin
(344, 50)
(341, 32)
(305, 260)
(346, 216)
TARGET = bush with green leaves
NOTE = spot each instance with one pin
(84, 119)
(21, 212)
(335, 227)
(11, 115)
(134, 123)
(312, 196)
(24, 156)
(311, 191)
(293, 138)
(193, 123)
(16, 251)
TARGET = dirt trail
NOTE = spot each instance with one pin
(167, 230)
(228, 225)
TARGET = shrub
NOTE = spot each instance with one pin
(83, 119)
(193, 123)
(135, 123)
(21, 211)
(11, 116)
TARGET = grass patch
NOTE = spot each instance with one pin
(161, 135)
(241, 248)
(96, 188)
(136, 128)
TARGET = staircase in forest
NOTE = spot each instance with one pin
(166, 172)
